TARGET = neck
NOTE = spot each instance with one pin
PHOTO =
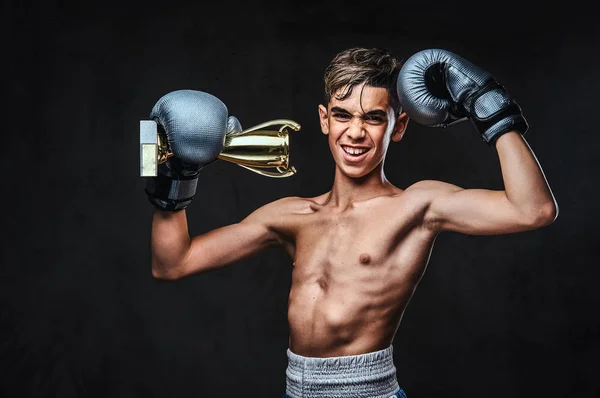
(348, 190)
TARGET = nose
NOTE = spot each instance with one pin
(356, 130)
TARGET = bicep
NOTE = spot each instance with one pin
(473, 212)
(226, 245)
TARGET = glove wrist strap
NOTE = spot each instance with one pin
(167, 193)
(494, 112)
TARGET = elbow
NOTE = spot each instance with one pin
(544, 215)
(162, 273)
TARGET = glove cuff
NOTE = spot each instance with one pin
(170, 194)
(511, 123)
(494, 112)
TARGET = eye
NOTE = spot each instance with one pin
(372, 119)
(342, 116)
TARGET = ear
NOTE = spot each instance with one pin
(400, 127)
(323, 119)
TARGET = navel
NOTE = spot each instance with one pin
(365, 258)
(322, 283)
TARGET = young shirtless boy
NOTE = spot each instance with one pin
(360, 249)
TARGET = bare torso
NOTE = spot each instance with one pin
(355, 271)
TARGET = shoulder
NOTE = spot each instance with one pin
(294, 205)
(431, 188)
(286, 206)
(420, 195)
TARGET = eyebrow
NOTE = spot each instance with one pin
(375, 112)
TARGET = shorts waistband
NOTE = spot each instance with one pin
(372, 374)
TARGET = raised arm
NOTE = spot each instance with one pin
(176, 255)
(194, 124)
(526, 202)
(438, 88)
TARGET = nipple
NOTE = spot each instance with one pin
(365, 258)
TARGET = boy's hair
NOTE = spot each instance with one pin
(374, 66)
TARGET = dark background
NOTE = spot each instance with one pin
(512, 315)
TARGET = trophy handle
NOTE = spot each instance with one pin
(285, 123)
(282, 173)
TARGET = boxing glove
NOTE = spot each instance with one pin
(195, 124)
(439, 88)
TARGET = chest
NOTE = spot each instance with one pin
(365, 237)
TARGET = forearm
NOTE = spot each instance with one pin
(170, 242)
(524, 181)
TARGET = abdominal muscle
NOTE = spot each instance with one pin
(350, 314)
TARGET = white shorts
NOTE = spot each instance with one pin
(370, 375)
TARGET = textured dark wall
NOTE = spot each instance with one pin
(512, 315)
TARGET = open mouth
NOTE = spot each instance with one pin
(354, 153)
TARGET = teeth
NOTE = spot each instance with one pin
(354, 151)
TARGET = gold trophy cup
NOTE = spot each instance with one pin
(263, 149)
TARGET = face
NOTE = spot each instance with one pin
(359, 129)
